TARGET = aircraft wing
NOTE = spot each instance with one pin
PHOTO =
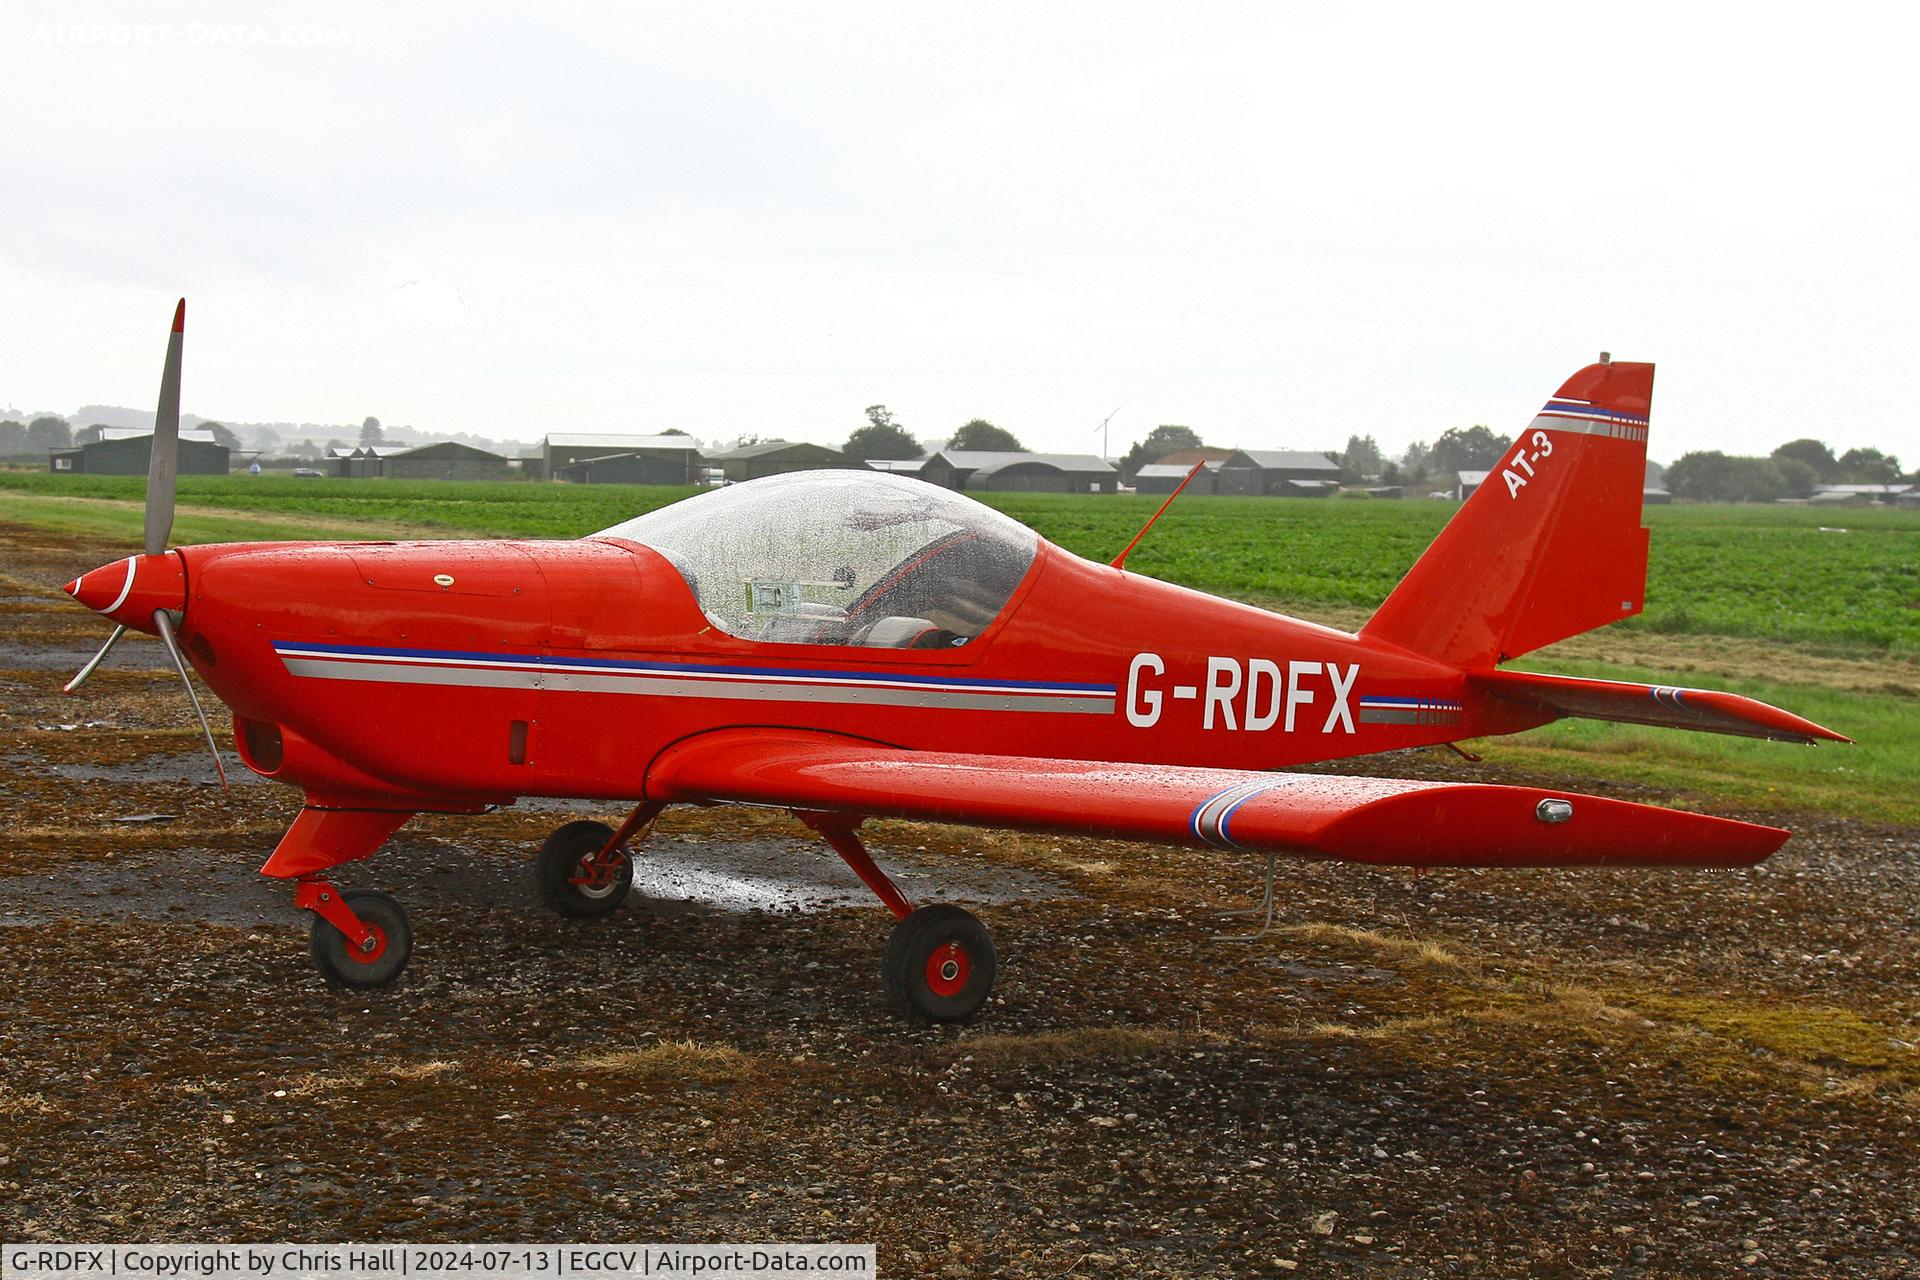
(1377, 820)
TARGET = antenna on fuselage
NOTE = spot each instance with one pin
(1120, 561)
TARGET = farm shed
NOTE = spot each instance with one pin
(124, 451)
(362, 461)
(1465, 482)
(625, 468)
(1165, 477)
(1006, 472)
(900, 466)
(1278, 473)
(677, 456)
(777, 457)
(1864, 492)
(445, 461)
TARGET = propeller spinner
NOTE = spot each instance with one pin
(143, 592)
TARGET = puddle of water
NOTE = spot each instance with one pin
(671, 876)
(183, 767)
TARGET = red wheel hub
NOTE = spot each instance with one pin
(375, 948)
(948, 969)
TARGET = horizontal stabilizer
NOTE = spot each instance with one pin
(1667, 706)
(1377, 820)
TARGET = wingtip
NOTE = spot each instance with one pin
(180, 317)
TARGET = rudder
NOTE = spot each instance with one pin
(1550, 544)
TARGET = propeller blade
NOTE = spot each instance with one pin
(164, 625)
(95, 661)
(164, 467)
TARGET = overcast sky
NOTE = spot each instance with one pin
(1279, 224)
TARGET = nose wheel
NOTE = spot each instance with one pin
(582, 871)
(360, 937)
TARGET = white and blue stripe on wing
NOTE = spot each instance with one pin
(1211, 817)
(689, 680)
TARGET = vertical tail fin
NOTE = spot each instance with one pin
(1549, 545)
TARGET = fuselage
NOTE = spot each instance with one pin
(452, 674)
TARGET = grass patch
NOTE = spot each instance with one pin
(1876, 776)
(1817, 1035)
(670, 1060)
(15, 1103)
(1379, 1032)
(1816, 1050)
(432, 1069)
(1413, 950)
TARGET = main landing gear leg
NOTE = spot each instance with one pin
(939, 962)
(360, 937)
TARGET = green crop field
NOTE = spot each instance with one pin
(1846, 580)
(1818, 611)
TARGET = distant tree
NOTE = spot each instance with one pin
(1799, 477)
(1655, 474)
(981, 435)
(1360, 460)
(222, 435)
(673, 431)
(1162, 440)
(13, 437)
(1390, 473)
(1812, 452)
(266, 439)
(883, 440)
(1869, 466)
(49, 433)
(336, 444)
(90, 433)
(741, 442)
(371, 432)
(1413, 463)
(1712, 476)
(1474, 449)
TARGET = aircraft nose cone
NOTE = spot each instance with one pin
(129, 591)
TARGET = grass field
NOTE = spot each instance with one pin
(1818, 611)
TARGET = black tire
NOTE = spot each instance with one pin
(344, 966)
(938, 965)
(559, 861)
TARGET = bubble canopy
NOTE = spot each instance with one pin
(841, 557)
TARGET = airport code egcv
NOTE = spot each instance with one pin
(433, 1262)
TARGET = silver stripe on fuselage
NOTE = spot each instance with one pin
(1403, 713)
(666, 686)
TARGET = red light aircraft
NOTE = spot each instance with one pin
(848, 645)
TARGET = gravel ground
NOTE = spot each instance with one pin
(1456, 1074)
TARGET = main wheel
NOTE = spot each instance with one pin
(567, 878)
(938, 965)
(384, 955)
